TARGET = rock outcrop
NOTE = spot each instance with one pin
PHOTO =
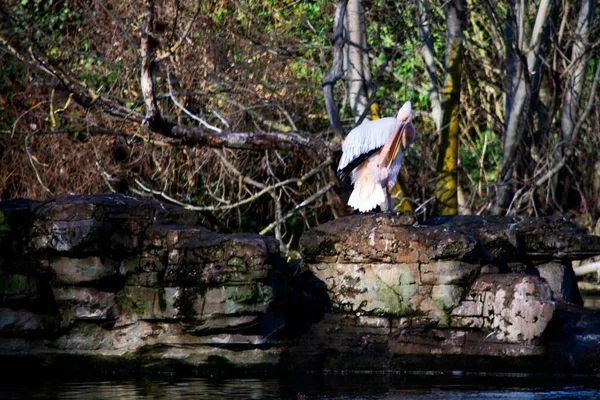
(111, 275)
(119, 284)
(466, 292)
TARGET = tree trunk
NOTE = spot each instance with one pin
(447, 161)
(579, 58)
(356, 58)
(335, 72)
(429, 60)
(523, 60)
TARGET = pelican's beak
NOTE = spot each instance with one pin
(397, 143)
(405, 113)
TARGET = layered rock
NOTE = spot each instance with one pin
(468, 288)
(114, 275)
(119, 284)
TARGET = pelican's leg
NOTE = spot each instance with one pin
(392, 206)
(388, 204)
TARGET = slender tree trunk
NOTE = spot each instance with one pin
(338, 208)
(523, 60)
(447, 161)
(356, 58)
(147, 53)
(429, 60)
(514, 103)
(335, 72)
(579, 58)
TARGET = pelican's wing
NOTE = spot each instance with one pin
(368, 136)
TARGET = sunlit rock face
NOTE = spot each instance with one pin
(461, 286)
(512, 307)
(447, 273)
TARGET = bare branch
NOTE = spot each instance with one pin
(266, 189)
(582, 119)
(32, 161)
(179, 42)
(296, 209)
(185, 110)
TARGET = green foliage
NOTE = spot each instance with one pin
(55, 15)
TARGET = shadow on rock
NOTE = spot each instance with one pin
(302, 298)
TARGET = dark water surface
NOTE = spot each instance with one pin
(307, 388)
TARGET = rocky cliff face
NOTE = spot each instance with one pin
(468, 293)
(105, 276)
(119, 284)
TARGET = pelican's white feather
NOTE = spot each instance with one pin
(369, 189)
(367, 196)
(369, 135)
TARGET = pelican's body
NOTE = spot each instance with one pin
(372, 154)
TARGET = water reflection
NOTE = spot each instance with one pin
(146, 389)
(303, 387)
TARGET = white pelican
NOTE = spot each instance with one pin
(372, 154)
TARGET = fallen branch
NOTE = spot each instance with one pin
(294, 142)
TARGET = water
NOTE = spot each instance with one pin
(309, 387)
(305, 388)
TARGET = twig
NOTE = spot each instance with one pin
(300, 206)
(429, 200)
(269, 123)
(185, 110)
(12, 132)
(31, 159)
(288, 117)
(223, 120)
(105, 176)
(481, 168)
(515, 198)
(174, 48)
(53, 112)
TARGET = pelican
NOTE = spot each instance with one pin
(372, 155)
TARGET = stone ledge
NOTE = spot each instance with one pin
(114, 283)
